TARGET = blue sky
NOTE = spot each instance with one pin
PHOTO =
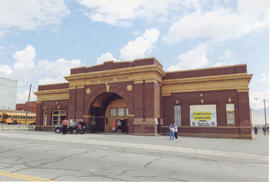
(40, 40)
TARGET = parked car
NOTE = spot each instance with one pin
(80, 127)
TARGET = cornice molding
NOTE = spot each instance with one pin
(208, 78)
(54, 91)
(237, 82)
(116, 72)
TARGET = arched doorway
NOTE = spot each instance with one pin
(108, 108)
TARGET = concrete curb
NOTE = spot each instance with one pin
(4, 127)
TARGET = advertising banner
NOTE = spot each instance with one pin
(203, 115)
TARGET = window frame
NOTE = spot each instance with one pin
(230, 111)
(174, 118)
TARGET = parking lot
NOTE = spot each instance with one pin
(39, 156)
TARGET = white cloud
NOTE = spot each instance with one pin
(218, 25)
(31, 14)
(22, 97)
(192, 59)
(45, 81)
(140, 46)
(256, 99)
(254, 9)
(123, 13)
(228, 54)
(5, 71)
(24, 58)
(224, 63)
(105, 57)
(262, 79)
(27, 71)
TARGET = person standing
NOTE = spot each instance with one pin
(171, 132)
(255, 130)
(119, 125)
(65, 125)
(71, 125)
(113, 126)
(264, 130)
(175, 130)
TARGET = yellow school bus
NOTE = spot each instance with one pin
(17, 117)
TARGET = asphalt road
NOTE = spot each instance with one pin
(44, 156)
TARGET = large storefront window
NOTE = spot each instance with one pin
(203, 115)
(58, 116)
(177, 115)
(230, 114)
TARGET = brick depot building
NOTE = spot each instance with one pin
(210, 102)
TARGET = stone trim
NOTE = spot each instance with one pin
(148, 121)
(207, 83)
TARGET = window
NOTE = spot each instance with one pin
(63, 112)
(56, 112)
(58, 116)
(177, 115)
(230, 114)
(45, 118)
(126, 111)
(113, 112)
(121, 111)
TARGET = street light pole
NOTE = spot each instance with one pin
(264, 112)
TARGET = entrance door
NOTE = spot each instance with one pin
(124, 128)
(116, 110)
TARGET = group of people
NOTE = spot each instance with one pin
(256, 130)
(117, 125)
(173, 131)
(69, 124)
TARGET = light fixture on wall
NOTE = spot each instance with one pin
(201, 94)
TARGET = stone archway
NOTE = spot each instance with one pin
(105, 109)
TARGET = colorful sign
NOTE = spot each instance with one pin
(203, 115)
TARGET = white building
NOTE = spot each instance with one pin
(8, 91)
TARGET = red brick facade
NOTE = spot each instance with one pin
(31, 106)
(150, 95)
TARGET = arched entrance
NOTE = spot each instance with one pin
(108, 108)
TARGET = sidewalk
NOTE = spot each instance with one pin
(239, 148)
(258, 145)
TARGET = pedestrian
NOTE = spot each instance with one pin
(255, 130)
(71, 125)
(264, 130)
(175, 130)
(119, 125)
(65, 125)
(113, 126)
(171, 132)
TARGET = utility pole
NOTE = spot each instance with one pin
(264, 112)
(26, 105)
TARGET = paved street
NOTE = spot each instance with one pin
(41, 156)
